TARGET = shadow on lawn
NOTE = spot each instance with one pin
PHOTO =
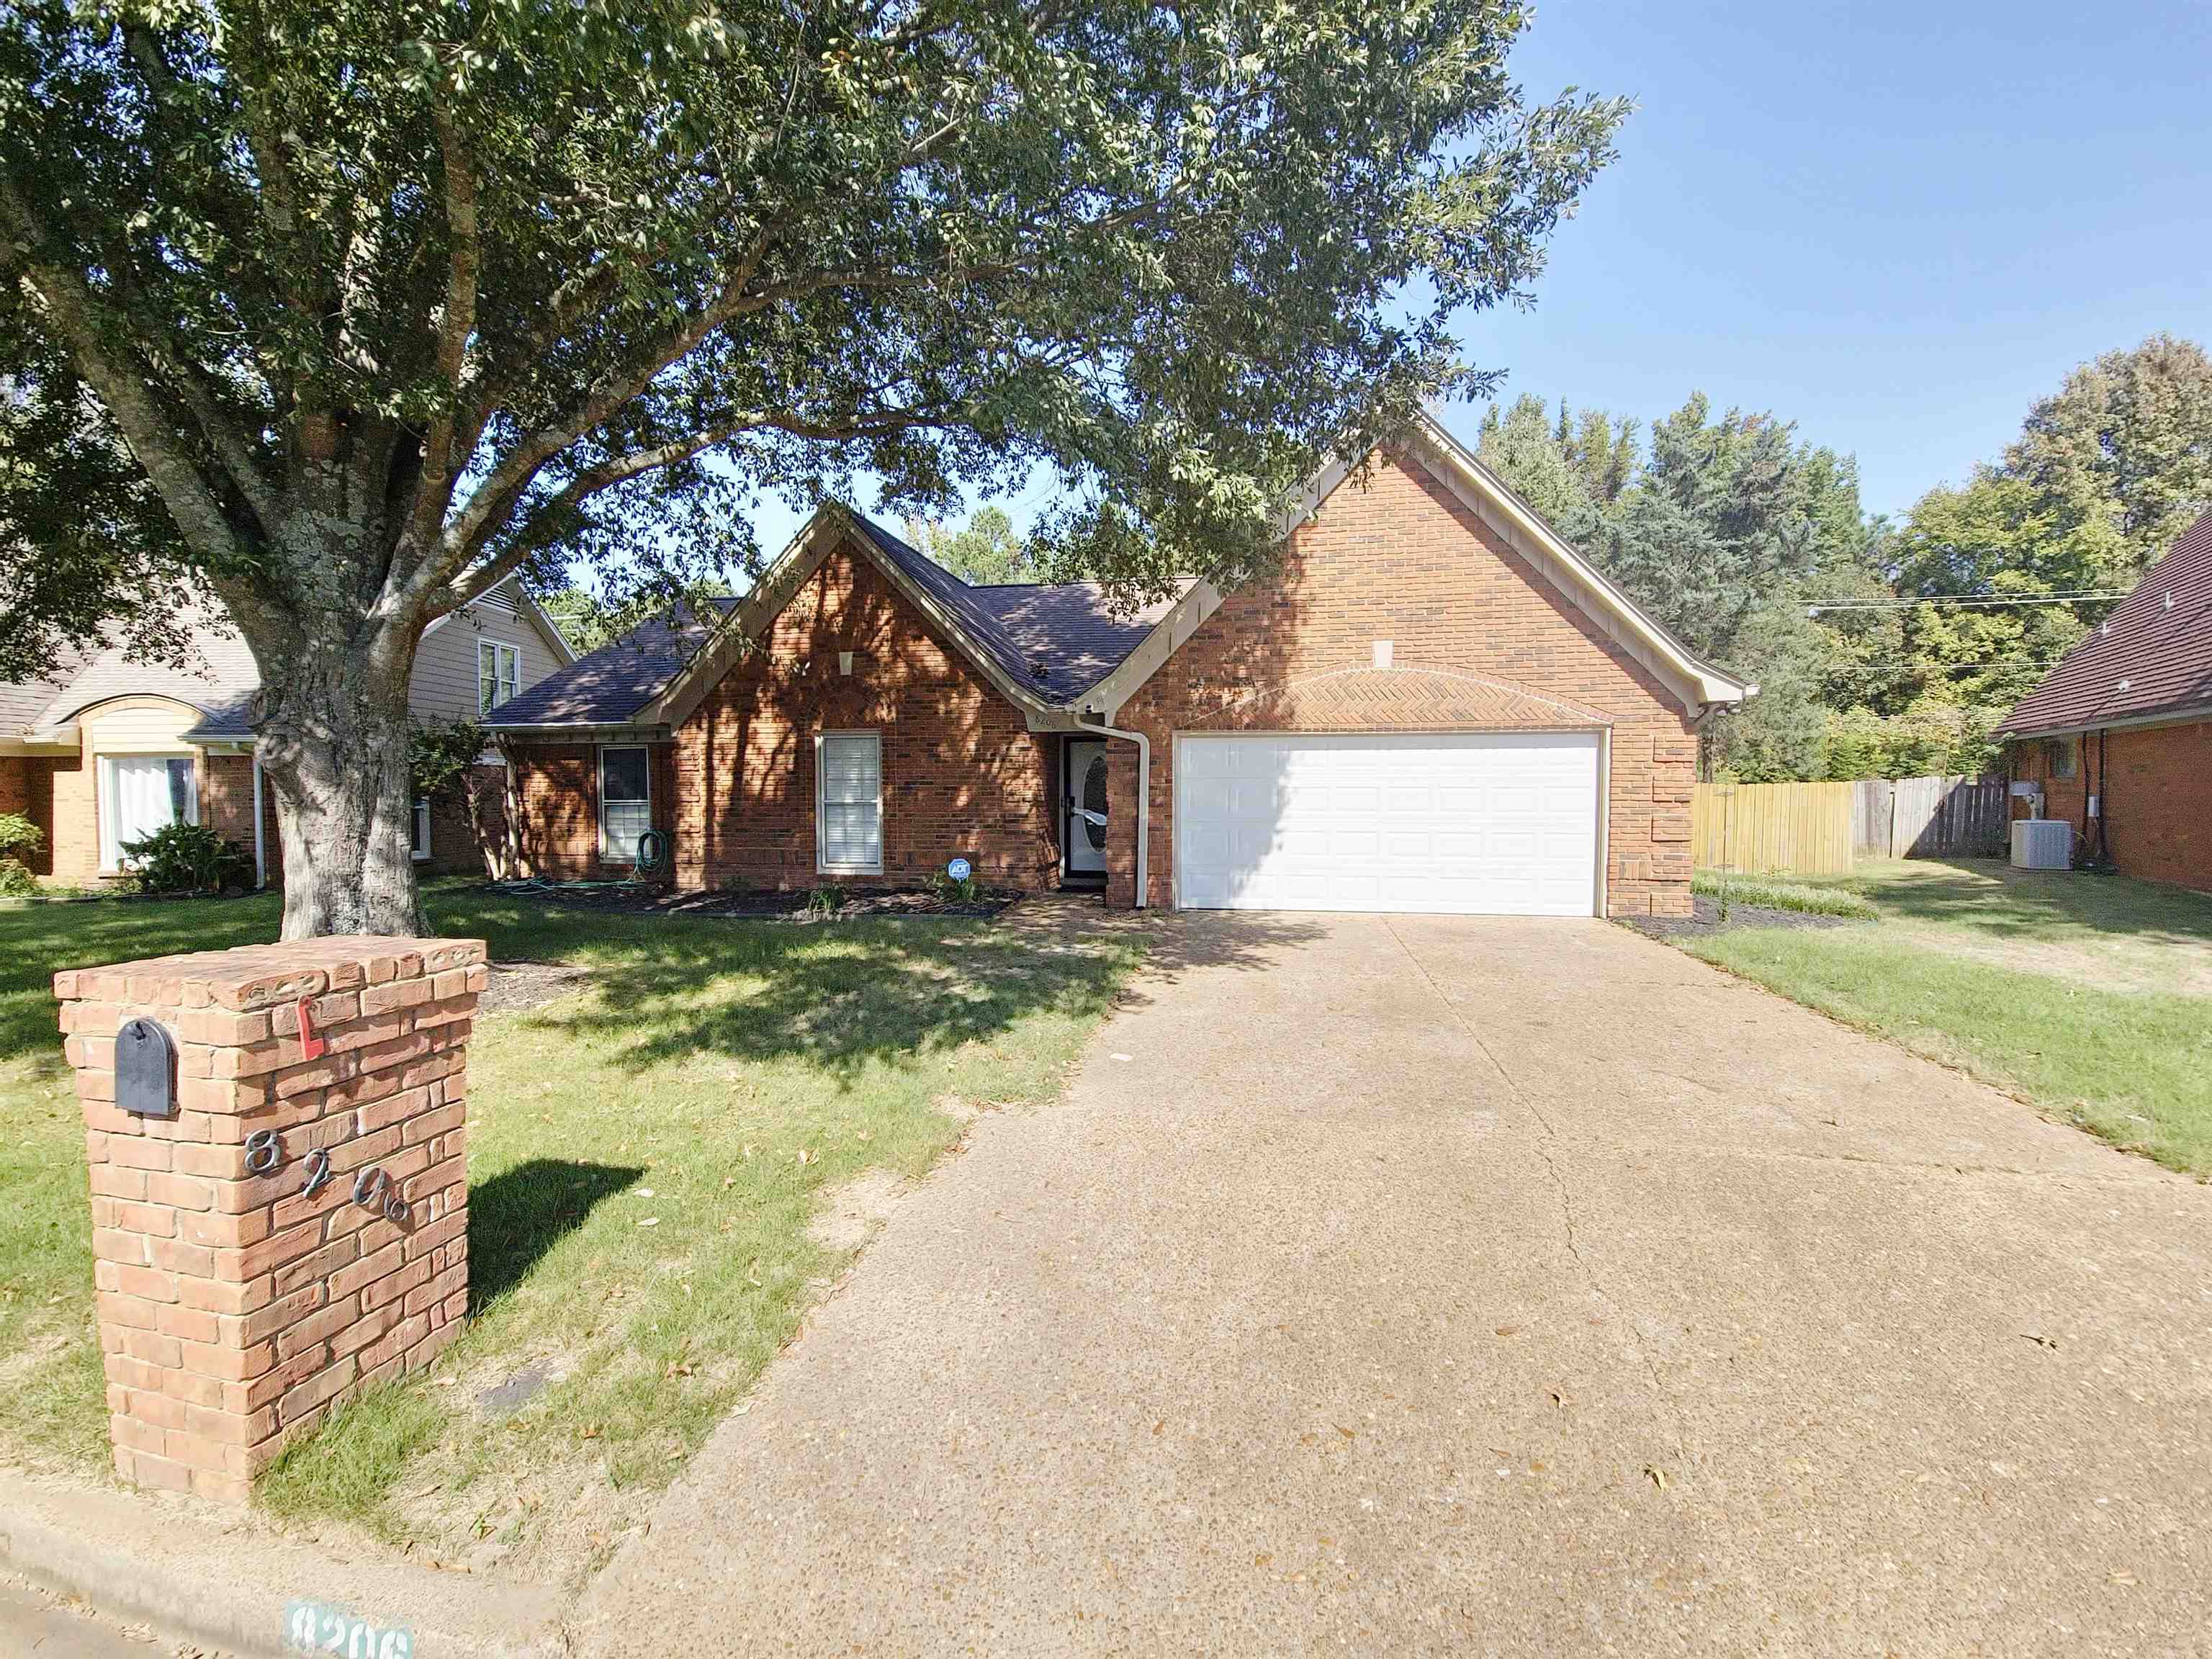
(38, 940)
(846, 996)
(1989, 896)
(520, 1214)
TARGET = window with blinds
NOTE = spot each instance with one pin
(625, 800)
(849, 802)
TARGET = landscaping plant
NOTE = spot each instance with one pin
(442, 758)
(18, 835)
(187, 858)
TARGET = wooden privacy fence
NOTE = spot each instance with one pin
(1930, 817)
(1801, 829)
(1815, 829)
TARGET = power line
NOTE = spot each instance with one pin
(1966, 601)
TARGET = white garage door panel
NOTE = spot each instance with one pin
(1478, 823)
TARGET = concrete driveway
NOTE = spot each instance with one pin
(1425, 1286)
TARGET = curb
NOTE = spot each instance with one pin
(178, 1567)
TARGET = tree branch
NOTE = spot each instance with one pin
(464, 257)
(76, 315)
(618, 469)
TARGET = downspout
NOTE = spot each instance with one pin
(1144, 799)
(260, 856)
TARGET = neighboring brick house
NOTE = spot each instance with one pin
(111, 747)
(1431, 703)
(2120, 734)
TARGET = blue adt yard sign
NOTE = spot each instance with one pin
(958, 869)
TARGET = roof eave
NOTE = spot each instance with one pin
(633, 730)
(2177, 714)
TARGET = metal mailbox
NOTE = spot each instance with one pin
(145, 1069)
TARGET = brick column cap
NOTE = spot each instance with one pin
(257, 976)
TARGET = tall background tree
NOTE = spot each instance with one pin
(384, 300)
(1873, 654)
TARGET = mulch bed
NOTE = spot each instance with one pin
(639, 900)
(1705, 918)
(516, 986)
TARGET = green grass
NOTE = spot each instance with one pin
(1774, 893)
(2089, 996)
(735, 1071)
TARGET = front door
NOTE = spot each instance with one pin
(1084, 834)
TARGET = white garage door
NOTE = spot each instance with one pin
(1470, 823)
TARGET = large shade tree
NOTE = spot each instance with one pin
(380, 301)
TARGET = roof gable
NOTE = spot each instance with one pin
(1697, 684)
(2151, 657)
(1041, 647)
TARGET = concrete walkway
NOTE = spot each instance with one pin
(1417, 1285)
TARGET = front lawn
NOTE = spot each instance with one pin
(646, 1153)
(2090, 996)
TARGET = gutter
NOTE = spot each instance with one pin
(1144, 799)
(2180, 715)
(260, 853)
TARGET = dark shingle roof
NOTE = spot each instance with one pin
(606, 687)
(1059, 640)
(2153, 653)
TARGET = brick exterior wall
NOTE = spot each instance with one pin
(72, 821)
(1402, 560)
(227, 807)
(27, 785)
(557, 813)
(2156, 804)
(962, 773)
(236, 1308)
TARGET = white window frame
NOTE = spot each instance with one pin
(505, 675)
(644, 749)
(822, 864)
(110, 843)
(2064, 758)
(418, 830)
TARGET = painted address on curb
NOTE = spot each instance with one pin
(311, 1627)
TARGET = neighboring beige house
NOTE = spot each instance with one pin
(111, 749)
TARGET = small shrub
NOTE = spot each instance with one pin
(18, 835)
(826, 901)
(965, 890)
(187, 858)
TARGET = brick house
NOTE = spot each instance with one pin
(1433, 704)
(111, 748)
(2120, 734)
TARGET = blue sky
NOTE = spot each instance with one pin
(1897, 226)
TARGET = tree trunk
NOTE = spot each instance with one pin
(334, 743)
(495, 852)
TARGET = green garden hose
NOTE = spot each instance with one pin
(652, 853)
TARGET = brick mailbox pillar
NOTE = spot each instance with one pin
(294, 1227)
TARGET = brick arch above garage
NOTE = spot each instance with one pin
(1402, 697)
